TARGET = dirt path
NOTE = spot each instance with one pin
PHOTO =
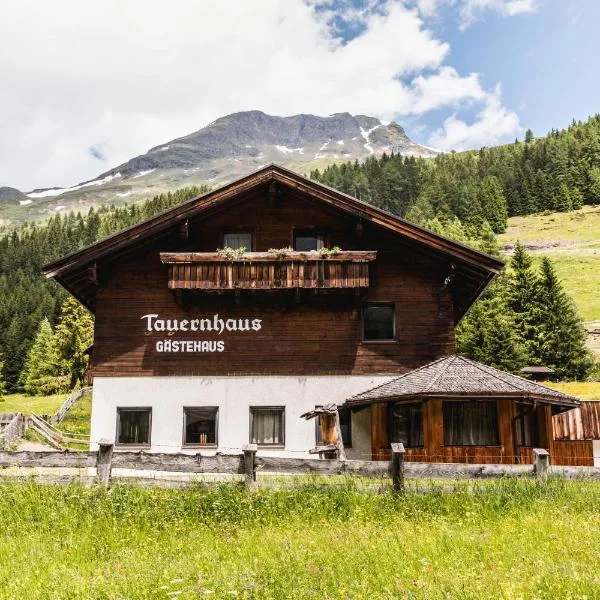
(27, 446)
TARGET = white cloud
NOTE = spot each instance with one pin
(126, 76)
(492, 125)
(470, 10)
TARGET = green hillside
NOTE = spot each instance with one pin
(572, 241)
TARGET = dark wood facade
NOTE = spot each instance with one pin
(315, 332)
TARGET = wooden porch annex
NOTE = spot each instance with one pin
(454, 403)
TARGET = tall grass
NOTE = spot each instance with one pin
(505, 539)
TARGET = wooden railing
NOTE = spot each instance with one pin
(268, 270)
(12, 432)
(74, 397)
(247, 463)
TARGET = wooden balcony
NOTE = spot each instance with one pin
(268, 270)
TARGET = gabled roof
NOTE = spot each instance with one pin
(474, 269)
(455, 376)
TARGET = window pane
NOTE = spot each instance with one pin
(267, 426)
(379, 322)
(134, 426)
(200, 425)
(237, 240)
(470, 424)
(407, 424)
(305, 241)
(527, 430)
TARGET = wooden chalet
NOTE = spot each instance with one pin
(223, 320)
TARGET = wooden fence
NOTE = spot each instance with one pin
(12, 431)
(68, 404)
(249, 463)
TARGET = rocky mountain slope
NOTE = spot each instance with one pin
(224, 150)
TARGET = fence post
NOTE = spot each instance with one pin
(541, 461)
(250, 463)
(104, 462)
(398, 467)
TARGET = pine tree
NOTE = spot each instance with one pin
(561, 335)
(576, 199)
(491, 199)
(489, 334)
(563, 201)
(528, 136)
(44, 372)
(522, 295)
(72, 336)
(2, 386)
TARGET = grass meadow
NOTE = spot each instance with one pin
(504, 539)
(572, 241)
(40, 405)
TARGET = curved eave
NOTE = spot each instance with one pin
(566, 402)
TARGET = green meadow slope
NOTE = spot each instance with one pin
(572, 241)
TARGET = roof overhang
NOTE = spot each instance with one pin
(472, 270)
(566, 403)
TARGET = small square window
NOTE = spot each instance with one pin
(267, 426)
(133, 426)
(379, 322)
(200, 426)
(306, 240)
(237, 240)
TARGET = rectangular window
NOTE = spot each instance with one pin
(200, 426)
(133, 426)
(306, 240)
(471, 423)
(379, 322)
(406, 422)
(345, 426)
(237, 240)
(267, 425)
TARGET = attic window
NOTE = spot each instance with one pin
(237, 240)
(306, 240)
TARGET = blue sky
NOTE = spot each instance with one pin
(88, 85)
(547, 62)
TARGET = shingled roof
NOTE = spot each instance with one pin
(471, 270)
(455, 376)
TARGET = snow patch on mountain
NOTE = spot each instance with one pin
(59, 191)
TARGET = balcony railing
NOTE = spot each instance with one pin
(268, 270)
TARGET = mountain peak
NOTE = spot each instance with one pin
(230, 147)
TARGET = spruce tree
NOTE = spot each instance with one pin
(528, 136)
(576, 199)
(493, 204)
(522, 296)
(489, 334)
(72, 336)
(561, 335)
(563, 201)
(2, 386)
(44, 372)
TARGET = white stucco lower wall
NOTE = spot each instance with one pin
(167, 396)
(596, 449)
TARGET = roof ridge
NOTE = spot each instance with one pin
(450, 360)
(535, 384)
(478, 365)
